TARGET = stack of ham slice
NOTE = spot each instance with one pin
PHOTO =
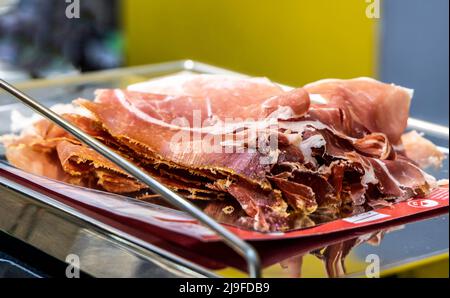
(196, 134)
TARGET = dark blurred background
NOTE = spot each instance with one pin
(37, 37)
(292, 41)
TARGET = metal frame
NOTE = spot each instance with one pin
(139, 246)
(237, 244)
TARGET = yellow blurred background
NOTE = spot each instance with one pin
(290, 41)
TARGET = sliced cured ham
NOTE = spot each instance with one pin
(39, 162)
(222, 88)
(377, 106)
(141, 122)
(421, 150)
(247, 151)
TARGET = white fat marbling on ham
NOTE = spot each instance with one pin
(388, 173)
(317, 98)
(369, 176)
(306, 146)
(302, 126)
(209, 107)
(282, 113)
(143, 116)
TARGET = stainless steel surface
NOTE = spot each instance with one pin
(103, 250)
(65, 89)
(240, 246)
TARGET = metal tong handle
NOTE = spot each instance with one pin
(236, 243)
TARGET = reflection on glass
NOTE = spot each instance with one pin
(333, 257)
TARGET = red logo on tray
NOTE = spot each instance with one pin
(423, 203)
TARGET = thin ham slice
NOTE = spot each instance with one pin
(377, 106)
(39, 162)
(421, 150)
(222, 88)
